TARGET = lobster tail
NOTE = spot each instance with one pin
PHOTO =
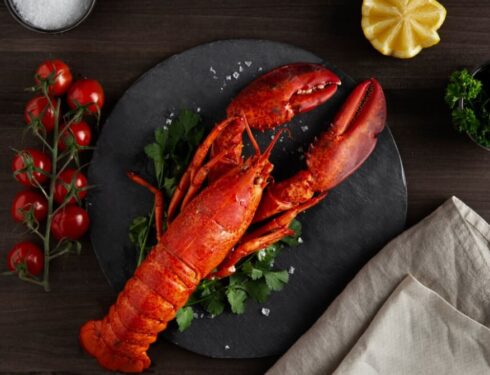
(149, 300)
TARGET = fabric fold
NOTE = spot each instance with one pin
(448, 252)
(417, 332)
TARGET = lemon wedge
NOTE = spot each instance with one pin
(401, 28)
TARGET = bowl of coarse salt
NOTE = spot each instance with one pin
(50, 16)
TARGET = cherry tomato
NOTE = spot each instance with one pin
(57, 75)
(37, 107)
(78, 132)
(64, 180)
(36, 159)
(25, 201)
(70, 222)
(86, 92)
(26, 253)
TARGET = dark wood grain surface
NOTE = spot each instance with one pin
(124, 38)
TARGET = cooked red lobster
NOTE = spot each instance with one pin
(233, 199)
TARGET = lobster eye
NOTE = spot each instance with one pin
(258, 180)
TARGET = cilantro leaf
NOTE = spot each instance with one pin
(184, 317)
(215, 305)
(251, 271)
(236, 298)
(293, 240)
(276, 280)
(258, 290)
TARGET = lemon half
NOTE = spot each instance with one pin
(401, 28)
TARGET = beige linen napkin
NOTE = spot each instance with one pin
(417, 332)
(448, 252)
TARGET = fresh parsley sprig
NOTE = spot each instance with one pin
(473, 117)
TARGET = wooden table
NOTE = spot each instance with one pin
(124, 38)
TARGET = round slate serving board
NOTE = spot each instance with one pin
(340, 234)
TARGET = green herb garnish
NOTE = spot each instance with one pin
(474, 117)
(255, 278)
(170, 153)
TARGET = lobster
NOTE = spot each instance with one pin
(239, 192)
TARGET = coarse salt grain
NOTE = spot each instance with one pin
(227, 347)
(291, 270)
(265, 311)
(51, 14)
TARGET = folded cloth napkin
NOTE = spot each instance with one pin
(417, 332)
(448, 252)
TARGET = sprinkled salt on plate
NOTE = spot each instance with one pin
(265, 311)
(51, 15)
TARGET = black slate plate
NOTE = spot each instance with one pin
(340, 234)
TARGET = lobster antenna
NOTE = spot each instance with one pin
(269, 148)
(250, 135)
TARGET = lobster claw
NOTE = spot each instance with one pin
(339, 152)
(276, 97)
(335, 154)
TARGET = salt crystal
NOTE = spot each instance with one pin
(265, 311)
(196, 315)
(236, 75)
(227, 347)
(201, 316)
(198, 109)
(304, 128)
(215, 77)
(211, 69)
(51, 14)
(300, 240)
(291, 270)
(240, 68)
(260, 69)
(168, 121)
(272, 136)
(171, 114)
(228, 78)
(248, 63)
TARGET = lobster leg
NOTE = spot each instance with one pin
(251, 246)
(264, 236)
(200, 177)
(159, 205)
(195, 164)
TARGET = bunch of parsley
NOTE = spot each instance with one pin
(255, 277)
(473, 117)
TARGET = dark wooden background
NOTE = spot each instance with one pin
(124, 38)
